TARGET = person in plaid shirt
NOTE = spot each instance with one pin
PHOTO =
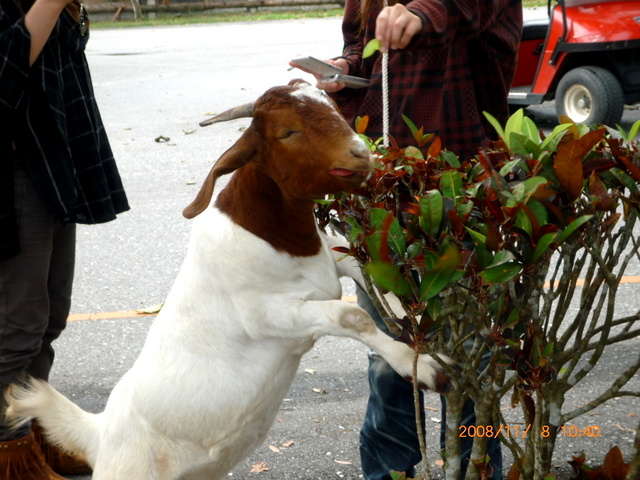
(56, 170)
(448, 61)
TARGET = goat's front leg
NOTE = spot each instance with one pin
(342, 319)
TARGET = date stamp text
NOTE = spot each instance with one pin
(521, 431)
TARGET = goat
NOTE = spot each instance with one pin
(259, 285)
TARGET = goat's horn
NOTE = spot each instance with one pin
(242, 111)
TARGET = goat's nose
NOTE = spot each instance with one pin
(361, 151)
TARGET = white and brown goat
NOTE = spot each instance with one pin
(259, 285)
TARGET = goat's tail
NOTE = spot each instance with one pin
(64, 423)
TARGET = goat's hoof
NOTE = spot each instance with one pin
(439, 383)
(442, 382)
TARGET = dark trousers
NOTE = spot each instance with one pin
(35, 291)
(388, 438)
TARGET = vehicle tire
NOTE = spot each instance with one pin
(590, 95)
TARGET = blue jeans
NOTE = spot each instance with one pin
(388, 438)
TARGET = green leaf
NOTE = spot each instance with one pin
(398, 475)
(511, 166)
(431, 211)
(436, 279)
(514, 124)
(450, 158)
(531, 130)
(572, 227)
(543, 245)
(502, 273)
(521, 144)
(407, 120)
(395, 237)
(503, 256)
(355, 230)
(434, 307)
(413, 251)
(523, 190)
(495, 124)
(451, 184)
(524, 222)
(551, 142)
(477, 236)
(413, 152)
(388, 277)
(625, 180)
(370, 48)
(633, 131)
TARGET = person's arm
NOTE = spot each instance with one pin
(40, 21)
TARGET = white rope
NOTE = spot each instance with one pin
(385, 99)
(385, 95)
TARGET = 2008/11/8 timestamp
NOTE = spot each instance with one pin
(521, 431)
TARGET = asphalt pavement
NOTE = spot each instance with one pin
(153, 86)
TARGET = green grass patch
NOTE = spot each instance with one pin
(217, 16)
(225, 16)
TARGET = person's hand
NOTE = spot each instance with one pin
(396, 26)
(329, 87)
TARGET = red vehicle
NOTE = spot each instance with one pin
(585, 54)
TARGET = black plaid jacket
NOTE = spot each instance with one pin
(459, 65)
(49, 113)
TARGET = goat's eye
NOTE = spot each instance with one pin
(287, 134)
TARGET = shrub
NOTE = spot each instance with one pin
(515, 255)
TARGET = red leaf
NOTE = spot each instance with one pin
(568, 167)
(631, 168)
(361, 124)
(596, 189)
(568, 161)
(435, 148)
(614, 465)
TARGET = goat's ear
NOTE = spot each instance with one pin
(241, 153)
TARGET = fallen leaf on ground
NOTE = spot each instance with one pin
(274, 449)
(151, 310)
(259, 467)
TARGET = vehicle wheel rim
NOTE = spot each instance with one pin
(577, 103)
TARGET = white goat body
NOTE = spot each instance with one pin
(246, 305)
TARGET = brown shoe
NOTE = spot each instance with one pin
(22, 460)
(60, 461)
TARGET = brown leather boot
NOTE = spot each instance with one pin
(22, 460)
(60, 461)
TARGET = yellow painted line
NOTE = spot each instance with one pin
(79, 317)
(623, 280)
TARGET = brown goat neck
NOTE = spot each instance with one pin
(256, 203)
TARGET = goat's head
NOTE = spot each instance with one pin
(298, 139)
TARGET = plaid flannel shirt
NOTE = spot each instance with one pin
(49, 113)
(460, 64)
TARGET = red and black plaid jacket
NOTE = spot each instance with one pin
(459, 65)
